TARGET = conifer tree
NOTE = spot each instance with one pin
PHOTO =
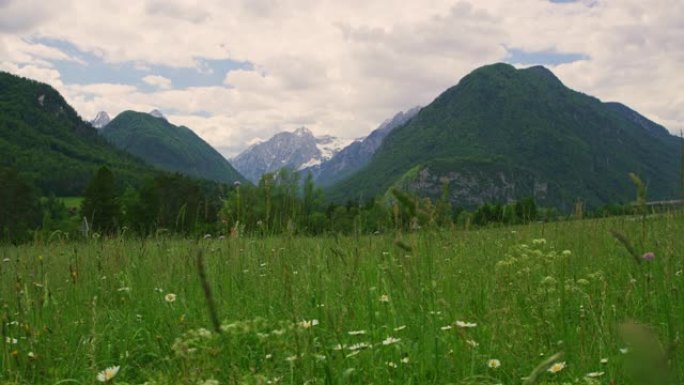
(101, 204)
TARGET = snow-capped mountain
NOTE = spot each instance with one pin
(357, 154)
(294, 150)
(157, 114)
(101, 120)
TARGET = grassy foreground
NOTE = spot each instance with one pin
(423, 308)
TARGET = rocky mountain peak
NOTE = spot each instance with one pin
(295, 150)
(101, 119)
(303, 131)
(157, 114)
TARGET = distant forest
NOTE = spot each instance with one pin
(280, 203)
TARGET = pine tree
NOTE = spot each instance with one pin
(101, 204)
(19, 207)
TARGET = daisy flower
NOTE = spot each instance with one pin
(493, 363)
(463, 324)
(556, 367)
(108, 373)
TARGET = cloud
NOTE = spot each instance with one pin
(158, 81)
(19, 16)
(338, 67)
(178, 11)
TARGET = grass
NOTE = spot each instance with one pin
(72, 202)
(351, 310)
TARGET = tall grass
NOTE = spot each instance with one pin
(350, 310)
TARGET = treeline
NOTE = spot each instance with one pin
(280, 203)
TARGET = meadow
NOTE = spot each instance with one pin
(545, 303)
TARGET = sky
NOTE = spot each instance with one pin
(238, 71)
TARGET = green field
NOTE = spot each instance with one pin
(72, 202)
(403, 308)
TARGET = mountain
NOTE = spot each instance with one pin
(101, 120)
(42, 137)
(295, 150)
(157, 114)
(173, 148)
(504, 133)
(356, 155)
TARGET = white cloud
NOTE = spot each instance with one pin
(343, 67)
(158, 81)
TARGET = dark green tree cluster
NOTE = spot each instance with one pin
(520, 212)
(19, 206)
(280, 203)
(171, 202)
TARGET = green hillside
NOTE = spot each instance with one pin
(42, 137)
(169, 147)
(502, 134)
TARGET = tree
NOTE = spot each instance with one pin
(19, 206)
(101, 204)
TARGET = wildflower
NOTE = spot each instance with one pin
(307, 324)
(390, 341)
(125, 288)
(108, 373)
(405, 360)
(447, 327)
(359, 346)
(391, 364)
(356, 332)
(463, 324)
(32, 355)
(170, 297)
(384, 298)
(5, 260)
(566, 253)
(604, 361)
(556, 367)
(594, 374)
(11, 341)
(493, 363)
(648, 256)
(540, 241)
(472, 343)
(291, 358)
(624, 350)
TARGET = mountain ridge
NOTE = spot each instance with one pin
(503, 133)
(357, 154)
(294, 150)
(169, 147)
(44, 138)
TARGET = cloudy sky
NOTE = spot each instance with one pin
(238, 70)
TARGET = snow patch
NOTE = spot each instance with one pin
(328, 145)
(312, 162)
